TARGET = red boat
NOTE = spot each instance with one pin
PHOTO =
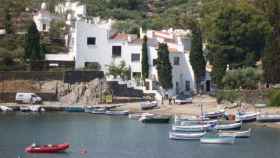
(51, 148)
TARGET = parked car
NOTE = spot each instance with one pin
(183, 99)
(28, 98)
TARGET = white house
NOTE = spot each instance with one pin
(179, 44)
(43, 18)
(76, 9)
(96, 42)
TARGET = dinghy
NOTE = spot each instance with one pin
(117, 112)
(148, 105)
(186, 136)
(51, 148)
(5, 109)
(154, 119)
(246, 116)
(268, 118)
(184, 123)
(236, 134)
(214, 115)
(231, 126)
(191, 128)
(217, 139)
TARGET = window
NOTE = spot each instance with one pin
(44, 27)
(135, 57)
(116, 51)
(91, 41)
(154, 62)
(188, 86)
(176, 61)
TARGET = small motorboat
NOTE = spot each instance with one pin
(51, 148)
(178, 119)
(236, 134)
(24, 109)
(139, 115)
(117, 112)
(192, 128)
(36, 108)
(154, 119)
(246, 116)
(214, 115)
(5, 109)
(74, 109)
(98, 110)
(183, 123)
(215, 139)
(231, 126)
(148, 105)
(186, 136)
(268, 118)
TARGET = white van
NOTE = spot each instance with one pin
(28, 98)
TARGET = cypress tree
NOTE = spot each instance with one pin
(271, 58)
(144, 62)
(32, 44)
(164, 67)
(196, 57)
(8, 21)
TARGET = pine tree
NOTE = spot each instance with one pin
(271, 57)
(32, 44)
(144, 62)
(197, 59)
(164, 67)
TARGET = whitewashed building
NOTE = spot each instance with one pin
(76, 9)
(96, 42)
(43, 18)
(179, 44)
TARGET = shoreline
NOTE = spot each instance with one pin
(194, 109)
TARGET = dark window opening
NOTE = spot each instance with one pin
(91, 40)
(176, 61)
(44, 27)
(116, 51)
(188, 85)
(154, 62)
(135, 57)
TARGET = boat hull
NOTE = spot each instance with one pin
(191, 128)
(217, 140)
(47, 149)
(154, 119)
(268, 118)
(234, 126)
(185, 136)
(236, 134)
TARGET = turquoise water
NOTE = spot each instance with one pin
(119, 137)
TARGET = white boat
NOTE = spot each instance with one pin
(191, 128)
(268, 118)
(117, 112)
(148, 105)
(217, 140)
(186, 136)
(5, 109)
(137, 116)
(183, 123)
(178, 119)
(215, 114)
(36, 108)
(231, 126)
(246, 116)
(236, 134)
(24, 109)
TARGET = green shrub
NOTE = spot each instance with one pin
(274, 97)
(246, 78)
(227, 95)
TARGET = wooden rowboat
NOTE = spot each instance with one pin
(236, 134)
(191, 128)
(217, 139)
(186, 136)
